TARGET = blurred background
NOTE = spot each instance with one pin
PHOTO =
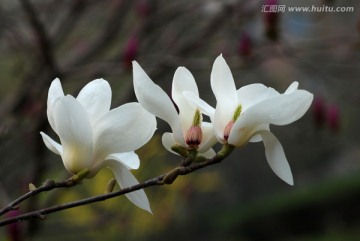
(239, 199)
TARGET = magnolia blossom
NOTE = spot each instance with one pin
(188, 129)
(244, 115)
(93, 136)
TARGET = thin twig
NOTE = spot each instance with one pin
(167, 178)
(47, 186)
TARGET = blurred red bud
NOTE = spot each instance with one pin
(245, 45)
(271, 19)
(319, 111)
(143, 8)
(14, 229)
(333, 118)
(130, 52)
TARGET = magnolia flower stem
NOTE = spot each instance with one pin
(167, 178)
(47, 186)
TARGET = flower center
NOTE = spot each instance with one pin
(194, 134)
(229, 126)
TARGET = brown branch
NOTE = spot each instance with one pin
(47, 186)
(167, 178)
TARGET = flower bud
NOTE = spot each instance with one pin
(227, 130)
(194, 137)
(229, 126)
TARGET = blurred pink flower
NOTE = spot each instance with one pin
(333, 118)
(245, 45)
(143, 8)
(319, 111)
(271, 20)
(14, 229)
(130, 52)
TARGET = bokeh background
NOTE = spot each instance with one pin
(239, 199)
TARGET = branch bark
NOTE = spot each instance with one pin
(167, 178)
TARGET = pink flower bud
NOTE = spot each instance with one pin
(194, 137)
(227, 130)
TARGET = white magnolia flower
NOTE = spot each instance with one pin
(244, 115)
(187, 127)
(93, 136)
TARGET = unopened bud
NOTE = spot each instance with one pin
(32, 187)
(194, 137)
(227, 130)
(229, 126)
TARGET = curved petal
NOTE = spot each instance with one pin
(51, 144)
(123, 129)
(126, 179)
(209, 138)
(95, 97)
(257, 137)
(184, 81)
(55, 91)
(156, 101)
(276, 157)
(74, 130)
(280, 110)
(293, 87)
(223, 86)
(210, 153)
(129, 159)
(168, 141)
(252, 94)
(283, 109)
(199, 103)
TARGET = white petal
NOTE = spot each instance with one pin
(252, 94)
(75, 134)
(55, 91)
(129, 159)
(294, 86)
(156, 101)
(123, 129)
(168, 141)
(257, 137)
(208, 154)
(284, 109)
(126, 179)
(223, 86)
(51, 144)
(184, 81)
(95, 97)
(199, 103)
(209, 138)
(276, 157)
(280, 110)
